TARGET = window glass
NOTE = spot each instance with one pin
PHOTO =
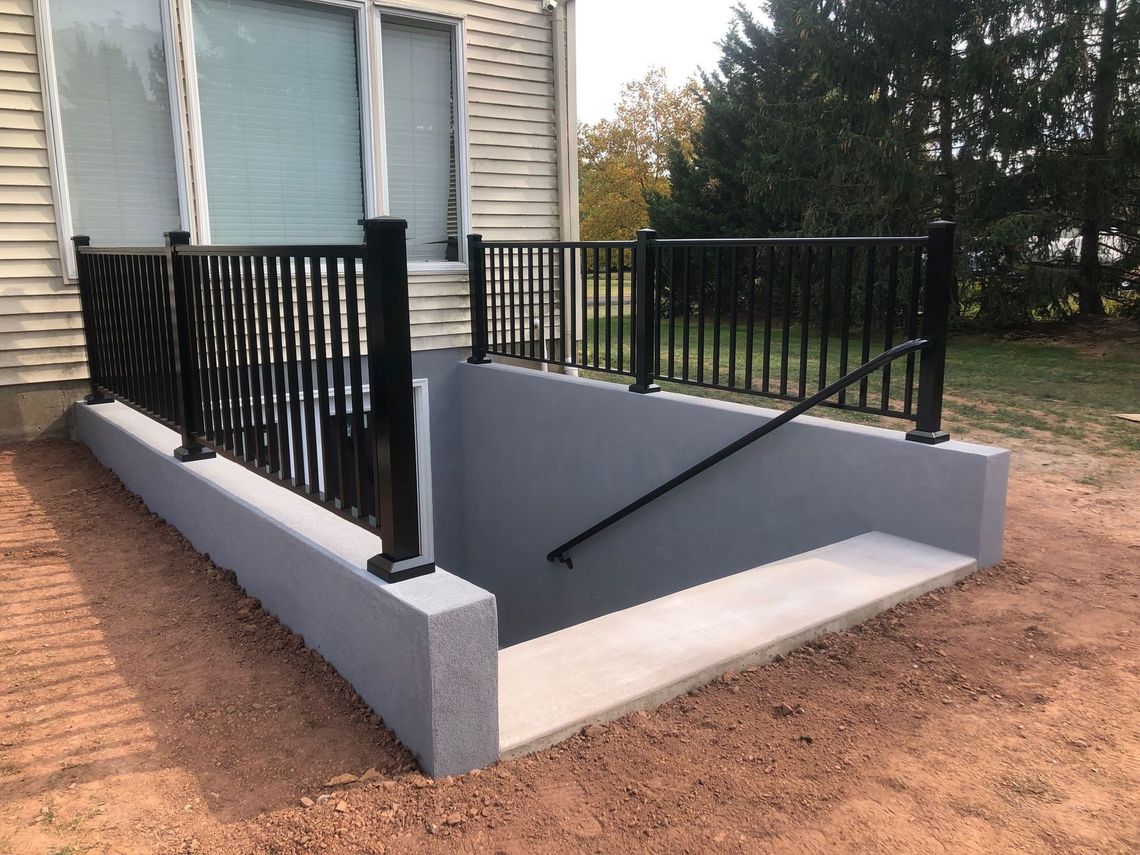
(278, 83)
(114, 104)
(419, 124)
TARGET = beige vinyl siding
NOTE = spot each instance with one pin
(513, 190)
(41, 337)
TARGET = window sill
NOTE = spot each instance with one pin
(430, 267)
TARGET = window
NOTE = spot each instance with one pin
(117, 134)
(420, 139)
(278, 85)
(270, 136)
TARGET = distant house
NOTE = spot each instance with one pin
(268, 121)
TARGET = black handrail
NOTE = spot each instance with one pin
(888, 356)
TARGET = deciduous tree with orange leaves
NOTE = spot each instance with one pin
(623, 158)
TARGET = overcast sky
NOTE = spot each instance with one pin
(619, 39)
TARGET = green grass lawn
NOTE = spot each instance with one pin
(1065, 390)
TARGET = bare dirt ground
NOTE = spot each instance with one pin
(147, 706)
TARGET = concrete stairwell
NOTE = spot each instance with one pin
(640, 657)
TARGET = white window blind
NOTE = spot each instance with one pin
(419, 125)
(278, 83)
(114, 104)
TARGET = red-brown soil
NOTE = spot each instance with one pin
(147, 706)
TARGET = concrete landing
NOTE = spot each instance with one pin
(640, 657)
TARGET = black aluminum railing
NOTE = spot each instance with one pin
(292, 360)
(775, 317)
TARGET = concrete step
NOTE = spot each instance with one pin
(638, 658)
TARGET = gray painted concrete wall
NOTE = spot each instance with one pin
(422, 653)
(441, 369)
(546, 455)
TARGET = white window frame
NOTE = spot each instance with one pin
(53, 126)
(186, 121)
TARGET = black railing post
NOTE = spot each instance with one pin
(477, 276)
(935, 324)
(87, 307)
(188, 409)
(389, 340)
(645, 262)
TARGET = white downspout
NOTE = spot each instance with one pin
(562, 36)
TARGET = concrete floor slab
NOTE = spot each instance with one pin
(551, 686)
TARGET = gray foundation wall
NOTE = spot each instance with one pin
(547, 455)
(441, 369)
(422, 653)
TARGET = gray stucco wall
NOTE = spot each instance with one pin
(422, 653)
(441, 369)
(546, 455)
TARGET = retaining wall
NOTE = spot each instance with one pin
(422, 653)
(547, 455)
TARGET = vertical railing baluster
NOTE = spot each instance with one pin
(769, 308)
(494, 302)
(528, 322)
(268, 420)
(237, 333)
(609, 305)
(749, 347)
(309, 402)
(297, 364)
(225, 404)
(340, 406)
(889, 325)
(514, 299)
(702, 281)
(597, 309)
(621, 358)
(805, 320)
(912, 326)
(868, 319)
(280, 392)
(198, 288)
(253, 369)
(825, 314)
(356, 381)
(686, 312)
(671, 362)
(845, 322)
(786, 332)
(733, 297)
(541, 309)
(718, 284)
(568, 259)
(329, 483)
(557, 338)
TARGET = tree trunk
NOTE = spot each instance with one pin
(1095, 213)
(947, 178)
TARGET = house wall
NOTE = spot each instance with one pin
(41, 335)
(516, 186)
